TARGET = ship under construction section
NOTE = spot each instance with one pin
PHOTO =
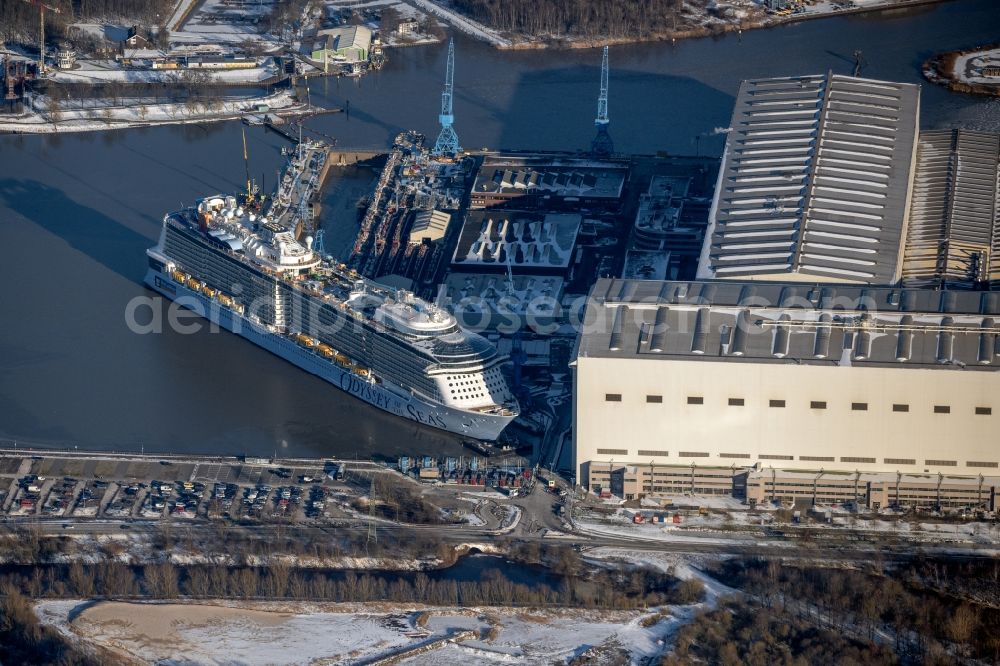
(496, 231)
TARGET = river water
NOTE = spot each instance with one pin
(77, 213)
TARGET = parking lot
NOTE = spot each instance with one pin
(123, 487)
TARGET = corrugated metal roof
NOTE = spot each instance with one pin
(746, 321)
(814, 180)
(953, 237)
(345, 37)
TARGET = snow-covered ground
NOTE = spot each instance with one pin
(179, 12)
(463, 23)
(304, 633)
(218, 23)
(103, 71)
(695, 20)
(676, 564)
(744, 528)
(647, 531)
(969, 67)
(138, 114)
(549, 636)
(206, 634)
(389, 37)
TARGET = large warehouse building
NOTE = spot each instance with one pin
(815, 181)
(739, 373)
(842, 333)
(793, 376)
(953, 237)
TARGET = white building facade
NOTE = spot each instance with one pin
(741, 374)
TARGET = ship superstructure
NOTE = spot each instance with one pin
(250, 274)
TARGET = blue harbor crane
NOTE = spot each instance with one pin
(447, 141)
(602, 144)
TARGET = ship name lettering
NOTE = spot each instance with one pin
(363, 390)
(430, 419)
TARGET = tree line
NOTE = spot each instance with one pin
(25, 545)
(26, 641)
(587, 18)
(607, 589)
(926, 624)
(741, 632)
(19, 20)
(240, 566)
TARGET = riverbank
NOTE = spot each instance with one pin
(374, 633)
(45, 118)
(966, 70)
(738, 20)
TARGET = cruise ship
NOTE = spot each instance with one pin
(249, 274)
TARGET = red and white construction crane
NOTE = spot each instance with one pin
(41, 30)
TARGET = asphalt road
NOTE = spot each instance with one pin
(208, 531)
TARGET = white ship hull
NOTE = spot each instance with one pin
(384, 395)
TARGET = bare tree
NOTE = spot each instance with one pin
(199, 583)
(161, 580)
(962, 624)
(82, 581)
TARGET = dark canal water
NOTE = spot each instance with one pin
(77, 213)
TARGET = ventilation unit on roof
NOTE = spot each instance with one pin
(725, 335)
(986, 342)
(821, 346)
(779, 346)
(739, 345)
(862, 345)
(615, 343)
(946, 342)
(904, 339)
(658, 340)
(700, 338)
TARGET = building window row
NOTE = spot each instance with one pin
(813, 404)
(765, 456)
